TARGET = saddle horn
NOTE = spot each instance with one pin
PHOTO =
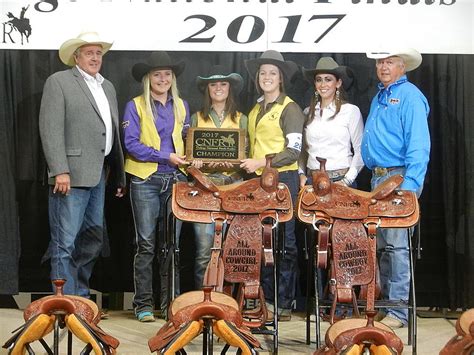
(269, 179)
(321, 181)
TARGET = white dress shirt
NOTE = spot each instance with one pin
(95, 86)
(336, 139)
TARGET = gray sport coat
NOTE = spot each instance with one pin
(73, 133)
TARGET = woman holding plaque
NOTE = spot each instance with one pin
(155, 124)
(276, 126)
(219, 110)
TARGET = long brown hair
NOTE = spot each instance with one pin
(230, 105)
(339, 100)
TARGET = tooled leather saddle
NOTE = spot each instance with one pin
(80, 315)
(188, 314)
(463, 342)
(251, 210)
(247, 213)
(345, 222)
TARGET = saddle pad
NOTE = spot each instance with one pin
(243, 250)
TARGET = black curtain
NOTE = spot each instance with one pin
(444, 275)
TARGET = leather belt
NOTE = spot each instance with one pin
(379, 171)
(335, 175)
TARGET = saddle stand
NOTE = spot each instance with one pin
(80, 315)
(246, 216)
(345, 223)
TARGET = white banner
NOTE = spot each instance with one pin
(325, 26)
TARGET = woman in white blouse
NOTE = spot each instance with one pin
(334, 127)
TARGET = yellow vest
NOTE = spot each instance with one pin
(267, 137)
(209, 123)
(149, 137)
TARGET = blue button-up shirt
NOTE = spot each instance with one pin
(396, 132)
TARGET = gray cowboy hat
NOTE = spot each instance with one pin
(288, 67)
(67, 49)
(157, 60)
(327, 65)
(411, 57)
(220, 73)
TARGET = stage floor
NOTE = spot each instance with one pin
(433, 333)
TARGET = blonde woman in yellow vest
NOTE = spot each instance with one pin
(219, 110)
(276, 126)
(154, 126)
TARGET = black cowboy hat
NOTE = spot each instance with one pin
(327, 65)
(157, 60)
(220, 73)
(288, 67)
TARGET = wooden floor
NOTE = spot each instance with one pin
(433, 333)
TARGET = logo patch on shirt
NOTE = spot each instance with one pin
(394, 101)
(125, 124)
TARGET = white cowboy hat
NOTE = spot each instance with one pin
(68, 48)
(411, 57)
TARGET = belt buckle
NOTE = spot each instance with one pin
(380, 171)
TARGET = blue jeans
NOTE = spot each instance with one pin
(76, 222)
(289, 261)
(394, 259)
(148, 198)
(204, 239)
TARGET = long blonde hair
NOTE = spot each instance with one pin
(149, 104)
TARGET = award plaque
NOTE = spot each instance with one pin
(215, 144)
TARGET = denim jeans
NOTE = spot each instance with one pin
(76, 223)
(204, 240)
(148, 198)
(394, 259)
(289, 261)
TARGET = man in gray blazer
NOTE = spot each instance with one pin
(81, 142)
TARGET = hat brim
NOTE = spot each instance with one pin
(342, 72)
(411, 57)
(66, 52)
(140, 69)
(234, 79)
(288, 67)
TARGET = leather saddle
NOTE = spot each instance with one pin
(345, 222)
(187, 315)
(251, 210)
(463, 342)
(80, 315)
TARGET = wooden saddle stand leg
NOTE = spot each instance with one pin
(345, 222)
(80, 315)
(245, 215)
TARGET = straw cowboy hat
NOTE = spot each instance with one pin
(67, 49)
(411, 57)
(220, 73)
(327, 65)
(288, 67)
(157, 60)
